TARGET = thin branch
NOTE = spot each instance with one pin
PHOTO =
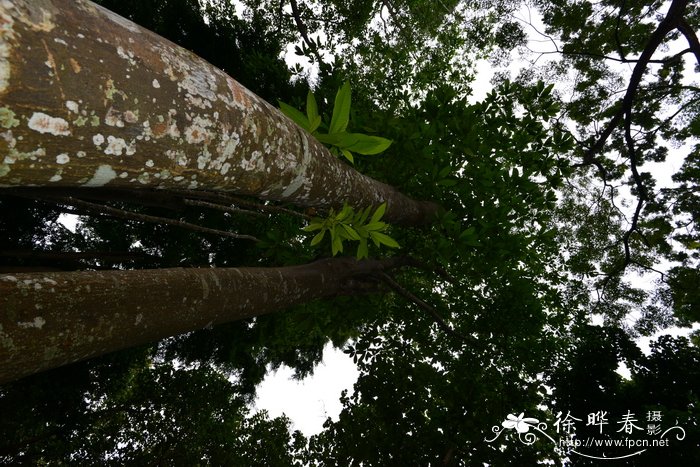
(221, 207)
(641, 197)
(100, 209)
(103, 209)
(396, 287)
(229, 199)
(660, 61)
(668, 120)
(389, 8)
(594, 161)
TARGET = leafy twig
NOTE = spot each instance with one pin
(301, 27)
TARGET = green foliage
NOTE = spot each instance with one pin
(527, 235)
(354, 226)
(339, 140)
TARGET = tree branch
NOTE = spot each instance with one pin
(123, 214)
(396, 287)
(608, 57)
(229, 199)
(221, 207)
(301, 27)
(670, 22)
(691, 37)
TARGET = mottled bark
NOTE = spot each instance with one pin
(51, 319)
(88, 98)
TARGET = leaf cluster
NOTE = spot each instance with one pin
(354, 226)
(337, 137)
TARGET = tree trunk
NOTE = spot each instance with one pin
(51, 319)
(88, 98)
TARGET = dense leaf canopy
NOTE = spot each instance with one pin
(523, 296)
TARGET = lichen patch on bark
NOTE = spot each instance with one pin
(44, 123)
(120, 96)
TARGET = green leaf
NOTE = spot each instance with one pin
(351, 233)
(384, 239)
(445, 171)
(375, 226)
(362, 251)
(298, 117)
(332, 139)
(318, 238)
(469, 237)
(341, 110)
(315, 123)
(347, 139)
(378, 213)
(367, 145)
(337, 245)
(348, 155)
(470, 232)
(365, 215)
(344, 213)
(312, 227)
(311, 107)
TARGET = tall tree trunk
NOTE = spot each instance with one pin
(51, 319)
(88, 98)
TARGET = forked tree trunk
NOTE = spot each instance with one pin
(88, 98)
(51, 319)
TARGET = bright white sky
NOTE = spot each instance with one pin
(308, 402)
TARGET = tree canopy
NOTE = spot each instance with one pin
(555, 197)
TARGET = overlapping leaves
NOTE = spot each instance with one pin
(340, 141)
(354, 226)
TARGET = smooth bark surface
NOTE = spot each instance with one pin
(51, 319)
(88, 98)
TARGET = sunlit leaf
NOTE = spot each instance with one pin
(351, 233)
(378, 214)
(367, 145)
(341, 110)
(348, 155)
(298, 117)
(318, 238)
(311, 107)
(384, 239)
